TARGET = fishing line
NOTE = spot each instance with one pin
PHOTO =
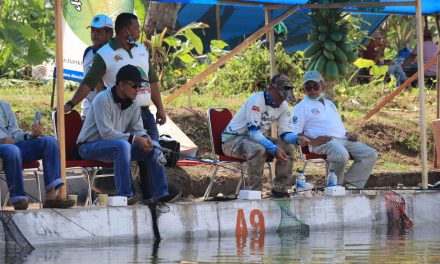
(320, 188)
(67, 218)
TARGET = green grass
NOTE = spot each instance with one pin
(27, 97)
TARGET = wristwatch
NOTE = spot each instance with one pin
(70, 103)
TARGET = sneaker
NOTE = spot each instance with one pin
(174, 194)
(21, 205)
(58, 203)
(132, 200)
(277, 194)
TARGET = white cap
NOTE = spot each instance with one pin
(101, 21)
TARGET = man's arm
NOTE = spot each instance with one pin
(161, 117)
(90, 81)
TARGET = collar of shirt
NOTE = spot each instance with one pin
(125, 103)
(269, 100)
(115, 45)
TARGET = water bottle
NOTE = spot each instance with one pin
(300, 182)
(332, 179)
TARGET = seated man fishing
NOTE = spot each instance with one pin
(17, 146)
(243, 137)
(113, 132)
(318, 119)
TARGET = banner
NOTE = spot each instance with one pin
(77, 15)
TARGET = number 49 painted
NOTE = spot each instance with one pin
(256, 219)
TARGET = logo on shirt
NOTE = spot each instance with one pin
(117, 57)
(294, 119)
(315, 111)
(255, 108)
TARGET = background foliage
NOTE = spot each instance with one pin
(27, 34)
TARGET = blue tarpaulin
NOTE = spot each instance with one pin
(240, 21)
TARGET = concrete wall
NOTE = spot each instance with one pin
(212, 219)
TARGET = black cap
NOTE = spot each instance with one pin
(129, 73)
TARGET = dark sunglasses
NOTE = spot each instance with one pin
(287, 87)
(311, 87)
(134, 86)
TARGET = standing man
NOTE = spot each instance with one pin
(113, 132)
(243, 137)
(17, 146)
(101, 31)
(318, 119)
(120, 51)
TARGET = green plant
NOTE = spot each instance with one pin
(26, 34)
(250, 71)
(175, 57)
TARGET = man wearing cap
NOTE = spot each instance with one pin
(113, 132)
(318, 119)
(101, 31)
(243, 137)
(120, 51)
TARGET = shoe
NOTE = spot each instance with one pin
(132, 200)
(174, 194)
(21, 205)
(277, 194)
(58, 203)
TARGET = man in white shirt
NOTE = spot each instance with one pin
(243, 137)
(318, 119)
(101, 31)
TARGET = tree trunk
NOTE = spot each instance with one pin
(161, 15)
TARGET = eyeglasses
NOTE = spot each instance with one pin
(312, 87)
(135, 86)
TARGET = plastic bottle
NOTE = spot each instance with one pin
(300, 181)
(332, 179)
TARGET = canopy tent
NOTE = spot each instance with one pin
(429, 6)
(239, 22)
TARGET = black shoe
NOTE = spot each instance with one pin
(174, 194)
(21, 205)
(277, 194)
(58, 203)
(132, 200)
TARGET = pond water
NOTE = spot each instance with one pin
(420, 245)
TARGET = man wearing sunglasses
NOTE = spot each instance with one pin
(243, 137)
(113, 132)
(318, 119)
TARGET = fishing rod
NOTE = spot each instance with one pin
(67, 218)
(316, 188)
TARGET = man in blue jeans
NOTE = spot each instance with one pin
(113, 132)
(17, 146)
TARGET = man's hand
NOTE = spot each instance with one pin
(319, 140)
(302, 141)
(37, 130)
(161, 117)
(351, 136)
(7, 140)
(144, 143)
(281, 155)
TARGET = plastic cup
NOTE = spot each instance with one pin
(102, 199)
(74, 198)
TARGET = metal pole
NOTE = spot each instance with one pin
(60, 94)
(422, 119)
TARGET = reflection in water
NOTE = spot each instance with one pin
(420, 245)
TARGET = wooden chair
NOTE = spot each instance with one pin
(73, 125)
(218, 119)
(32, 166)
